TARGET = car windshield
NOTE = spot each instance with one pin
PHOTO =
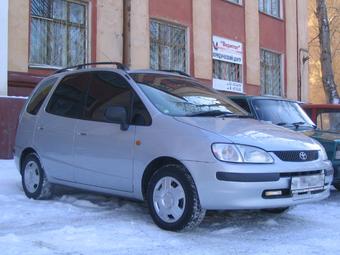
(280, 112)
(181, 96)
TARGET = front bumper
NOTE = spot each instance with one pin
(227, 186)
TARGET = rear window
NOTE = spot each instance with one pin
(39, 96)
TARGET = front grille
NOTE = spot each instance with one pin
(297, 156)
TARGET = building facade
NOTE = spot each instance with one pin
(237, 46)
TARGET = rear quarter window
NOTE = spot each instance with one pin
(40, 95)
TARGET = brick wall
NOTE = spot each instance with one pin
(10, 108)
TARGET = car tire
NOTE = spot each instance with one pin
(276, 210)
(173, 199)
(337, 186)
(33, 178)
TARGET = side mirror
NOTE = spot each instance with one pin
(117, 114)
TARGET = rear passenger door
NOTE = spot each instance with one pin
(54, 136)
(103, 152)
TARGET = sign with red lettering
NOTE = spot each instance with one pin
(227, 50)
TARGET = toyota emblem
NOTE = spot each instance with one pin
(303, 155)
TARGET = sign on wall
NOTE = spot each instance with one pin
(227, 50)
(231, 52)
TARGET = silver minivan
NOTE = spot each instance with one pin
(164, 138)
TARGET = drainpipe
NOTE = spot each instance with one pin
(127, 32)
(4, 47)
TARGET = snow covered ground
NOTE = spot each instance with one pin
(80, 223)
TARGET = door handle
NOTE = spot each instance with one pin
(82, 133)
(40, 128)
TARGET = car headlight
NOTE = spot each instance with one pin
(337, 152)
(237, 153)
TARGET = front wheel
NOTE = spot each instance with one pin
(173, 199)
(34, 181)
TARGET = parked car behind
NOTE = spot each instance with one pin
(327, 116)
(163, 138)
(288, 113)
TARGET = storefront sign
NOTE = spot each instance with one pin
(230, 86)
(227, 50)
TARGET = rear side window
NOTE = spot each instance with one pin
(39, 96)
(69, 96)
(243, 103)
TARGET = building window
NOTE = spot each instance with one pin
(270, 73)
(271, 7)
(227, 71)
(58, 33)
(235, 1)
(168, 46)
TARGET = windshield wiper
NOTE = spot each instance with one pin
(213, 113)
(232, 115)
(298, 124)
(281, 124)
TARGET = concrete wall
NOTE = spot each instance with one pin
(3, 47)
(252, 42)
(18, 37)
(109, 44)
(291, 50)
(202, 38)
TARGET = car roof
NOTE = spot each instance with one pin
(264, 97)
(321, 106)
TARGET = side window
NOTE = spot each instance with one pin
(39, 96)
(140, 115)
(106, 89)
(243, 103)
(68, 98)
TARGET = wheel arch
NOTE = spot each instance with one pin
(23, 155)
(153, 166)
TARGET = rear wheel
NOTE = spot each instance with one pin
(173, 199)
(34, 181)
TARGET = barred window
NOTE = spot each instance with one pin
(227, 71)
(270, 73)
(271, 7)
(58, 32)
(167, 46)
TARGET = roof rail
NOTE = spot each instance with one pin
(78, 67)
(176, 71)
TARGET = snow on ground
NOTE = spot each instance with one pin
(77, 223)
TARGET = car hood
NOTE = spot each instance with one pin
(253, 132)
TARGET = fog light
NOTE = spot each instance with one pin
(273, 193)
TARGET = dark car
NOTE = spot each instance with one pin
(288, 113)
(327, 116)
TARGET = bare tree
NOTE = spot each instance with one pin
(325, 52)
